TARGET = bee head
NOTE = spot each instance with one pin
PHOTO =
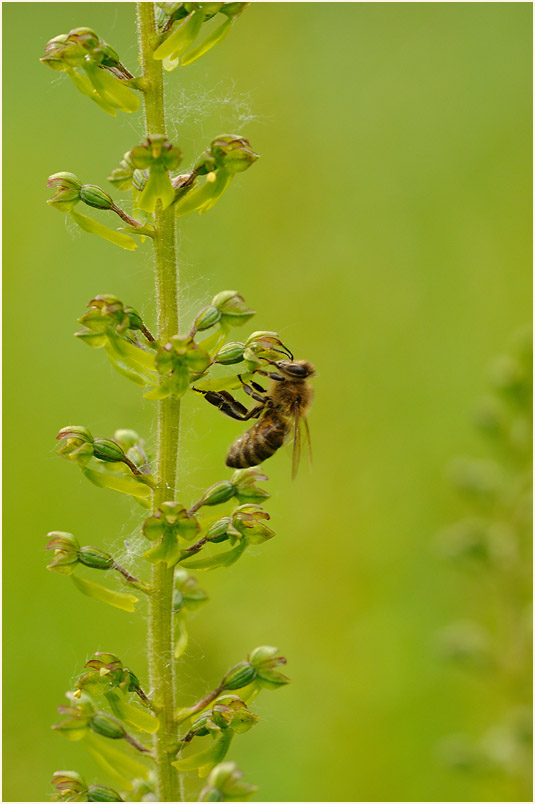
(295, 369)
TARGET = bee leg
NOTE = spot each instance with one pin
(271, 374)
(229, 406)
(258, 387)
(249, 390)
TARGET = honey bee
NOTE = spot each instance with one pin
(281, 410)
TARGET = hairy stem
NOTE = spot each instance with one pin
(160, 646)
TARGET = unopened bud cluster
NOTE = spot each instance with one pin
(94, 67)
(68, 554)
(259, 668)
(78, 445)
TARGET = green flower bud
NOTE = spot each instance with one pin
(225, 297)
(105, 672)
(247, 520)
(67, 191)
(136, 322)
(65, 547)
(266, 345)
(234, 311)
(245, 481)
(208, 317)
(85, 37)
(266, 656)
(232, 152)
(95, 558)
(101, 793)
(78, 716)
(218, 532)
(107, 450)
(54, 53)
(218, 493)
(77, 432)
(70, 786)
(77, 444)
(121, 177)
(94, 196)
(264, 660)
(240, 676)
(230, 353)
(107, 726)
(108, 55)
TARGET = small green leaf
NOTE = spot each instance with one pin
(118, 600)
(95, 227)
(220, 560)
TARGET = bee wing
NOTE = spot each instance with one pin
(308, 441)
(296, 455)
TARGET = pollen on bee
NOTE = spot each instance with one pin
(210, 176)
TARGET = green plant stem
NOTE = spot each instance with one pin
(160, 638)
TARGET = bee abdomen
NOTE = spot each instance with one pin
(257, 444)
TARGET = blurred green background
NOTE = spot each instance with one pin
(385, 233)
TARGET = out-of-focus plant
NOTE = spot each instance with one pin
(137, 733)
(491, 545)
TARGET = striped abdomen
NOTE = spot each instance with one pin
(258, 443)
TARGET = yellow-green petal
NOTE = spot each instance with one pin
(126, 485)
(118, 600)
(95, 227)
(119, 765)
(216, 36)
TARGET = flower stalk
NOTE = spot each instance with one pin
(161, 648)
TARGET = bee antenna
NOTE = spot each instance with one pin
(285, 351)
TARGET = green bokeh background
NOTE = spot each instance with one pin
(385, 232)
